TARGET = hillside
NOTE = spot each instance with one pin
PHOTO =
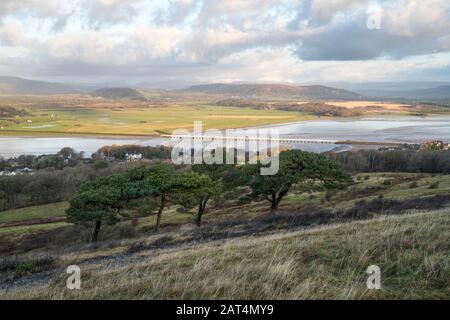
(118, 93)
(321, 263)
(15, 85)
(313, 92)
(318, 246)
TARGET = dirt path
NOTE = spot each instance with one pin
(30, 222)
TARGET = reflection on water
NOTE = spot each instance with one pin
(14, 146)
(392, 129)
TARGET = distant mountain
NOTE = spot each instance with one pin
(312, 92)
(438, 92)
(172, 84)
(15, 85)
(412, 90)
(118, 93)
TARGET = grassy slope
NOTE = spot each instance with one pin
(412, 252)
(398, 190)
(44, 211)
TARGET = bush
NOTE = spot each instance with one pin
(100, 164)
(25, 268)
(434, 185)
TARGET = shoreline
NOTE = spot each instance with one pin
(52, 134)
(56, 134)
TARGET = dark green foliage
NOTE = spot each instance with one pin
(105, 199)
(228, 174)
(157, 182)
(194, 189)
(425, 161)
(310, 171)
(101, 200)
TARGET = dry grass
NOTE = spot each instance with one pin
(324, 263)
(386, 106)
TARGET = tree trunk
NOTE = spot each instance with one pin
(201, 210)
(98, 224)
(276, 199)
(274, 206)
(158, 217)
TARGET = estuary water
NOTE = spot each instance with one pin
(380, 129)
(15, 146)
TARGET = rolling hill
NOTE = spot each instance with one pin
(386, 90)
(437, 92)
(15, 85)
(312, 92)
(118, 93)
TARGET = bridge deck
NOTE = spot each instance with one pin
(281, 140)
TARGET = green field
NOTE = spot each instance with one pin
(38, 212)
(139, 120)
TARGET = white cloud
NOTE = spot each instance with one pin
(11, 34)
(270, 40)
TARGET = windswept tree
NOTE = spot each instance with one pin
(310, 170)
(161, 180)
(195, 189)
(102, 200)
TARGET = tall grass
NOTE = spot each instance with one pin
(324, 263)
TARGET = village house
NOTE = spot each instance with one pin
(16, 172)
(133, 157)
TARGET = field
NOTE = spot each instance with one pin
(161, 113)
(105, 117)
(39, 212)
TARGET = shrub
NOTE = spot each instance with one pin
(434, 185)
(26, 268)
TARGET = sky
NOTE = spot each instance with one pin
(201, 41)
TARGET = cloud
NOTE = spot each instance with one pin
(407, 28)
(103, 13)
(38, 7)
(292, 40)
(11, 34)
